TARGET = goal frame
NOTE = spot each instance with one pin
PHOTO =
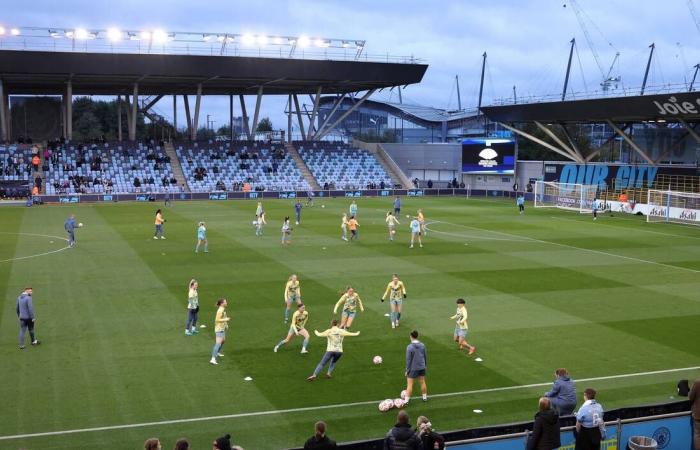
(663, 208)
(580, 202)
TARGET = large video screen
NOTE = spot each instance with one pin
(483, 155)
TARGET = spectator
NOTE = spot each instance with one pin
(223, 443)
(563, 393)
(319, 441)
(182, 444)
(430, 439)
(590, 427)
(430, 184)
(461, 185)
(694, 397)
(402, 436)
(545, 431)
(529, 186)
(152, 444)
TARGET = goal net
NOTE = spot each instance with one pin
(574, 197)
(674, 206)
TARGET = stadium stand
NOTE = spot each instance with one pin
(342, 166)
(229, 166)
(15, 162)
(108, 168)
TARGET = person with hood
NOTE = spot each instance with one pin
(223, 443)
(563, 393)
(319, 441)
(545, 431)
(25, 313)
(402, 436)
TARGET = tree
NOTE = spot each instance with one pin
(204, 134)
(87, 127)
(264, 125)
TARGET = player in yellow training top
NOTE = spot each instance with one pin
(421, 220)
(350, 301)
(292, 293)
(391, 222)
(462, 328)
(334, 348)
(344, 227)
(396, 292)
(220, 327)
(298, 327)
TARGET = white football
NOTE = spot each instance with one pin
(255, 223)
(377, 359)
(407, 216)
(404, 394)
(323, 206)
(386, 405)
(80, 225)
(399, 403)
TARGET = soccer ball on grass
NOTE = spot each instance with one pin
(80, 225)
(377, 360)
(386, 405)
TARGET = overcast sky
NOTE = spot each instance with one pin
(527, 41)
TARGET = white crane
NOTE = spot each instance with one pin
(694, 13)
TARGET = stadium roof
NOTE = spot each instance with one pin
(40, 72)
(669, 107)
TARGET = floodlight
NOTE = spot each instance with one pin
(54, 34)
(303, 41)
(277, 40)
(321, 43)
(15, 32)
(291, 41)
(248, 39)
(2, 30)
(114, 34)
(80, 33)
(346, 44)
(262, 40)
(209, 37)
(70, 34)
(159, 36)
(145, 35)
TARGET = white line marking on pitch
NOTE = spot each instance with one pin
(631, 258)
(469, 236)
(682, 236)
(38, 254)
(323, 407)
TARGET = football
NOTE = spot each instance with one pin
(377, 359)
(407, 216)
(399, 403)
(393, 232)
(255, 222)
(403, 394)
(323, 206)
(386, 405)
(80, 225)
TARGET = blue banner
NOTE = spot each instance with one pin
(69, 199)
(218, 196)
(670, 434)
(619, 176)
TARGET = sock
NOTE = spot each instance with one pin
(306, 342)
(392, 316)
(398, 315)
(215, 350)
(196, 249)
(286, 314)
(281, 343)
(206, 247)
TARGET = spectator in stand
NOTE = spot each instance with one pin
(590, 427)
(182, 444)
(36, 161)
(545, 432)
(319, 441)
(152, 444)
(563, 393)
(402, 436)
(429, 439)
(694, 397)
(430, 184)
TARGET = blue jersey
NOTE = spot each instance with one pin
(69, 225)
(415, 226)
(297, 207)
(201, 233)
(397, 203)
(520, 201)
(353, 210)
(595, 206)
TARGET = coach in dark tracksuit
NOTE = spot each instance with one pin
(25, 312)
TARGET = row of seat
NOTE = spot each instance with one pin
(342, 165)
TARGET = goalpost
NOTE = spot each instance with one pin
(674, 206)
(574, 197)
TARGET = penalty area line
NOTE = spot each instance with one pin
(324, 407)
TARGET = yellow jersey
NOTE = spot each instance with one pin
(159, 219)
(395, 291)
(421, 219)
(335, 337)
(299, 320)
(292, 288)
(392, 221)
(221, 321)
(344, 223)
(461, 317)
(350, 304)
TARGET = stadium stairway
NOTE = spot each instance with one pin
(301, 165)
(176, 166)
(398, 177)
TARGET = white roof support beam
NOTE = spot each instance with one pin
(561, 143)
(537, 141)
(631, 143)
(346, 114)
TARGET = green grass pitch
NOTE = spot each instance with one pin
(544, 290)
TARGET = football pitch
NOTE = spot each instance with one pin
(616, 301)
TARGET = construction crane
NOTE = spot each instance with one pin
(694, 13)
(608, 80)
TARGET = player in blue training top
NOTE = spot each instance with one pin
(520, 201)
(202, 238)
(70, 229)
(297, 211)
(595, 206)
(353, 209)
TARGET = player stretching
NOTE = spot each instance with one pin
(344, 227)
(391, 222)
(192, 308)
(462, 328)
(292, 293)
(421, 219)
(396, 292)
(159, 225)
(260, 222)
(298, 327)
(202, 238)
(520, 201)
(286, 232)
(334, 348)
(350, 301)
(415, 232)
(220, 327)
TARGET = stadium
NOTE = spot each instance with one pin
(345, 260)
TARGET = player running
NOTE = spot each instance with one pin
(309, 198)
(260, 222)
(202, 238)
(353, 209)
(344, 227)
(353, 224)
(520, 201)
(220, 327)
(258, 209)
(298, 327)
(391, 222)
(421, 219)
(334, 348)
(415, 232)
(396, 292)
(350, 301)
(297, 211)
(292, 293)
(159, 225)
(462, 328)
(192, 308)
(286, 232)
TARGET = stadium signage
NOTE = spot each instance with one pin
(415, 193)
(142, 198)
(287, 195)
(252, 195)
(107, 198)
(622, 177)
(674, 107)
(218, 196)
(488, 157)
(384, 193)
(353, 194)
(69, 199)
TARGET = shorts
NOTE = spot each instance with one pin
(349, 314)
(461, 332)
(221, 334)
(293, 330)
(397, 302)
(354, 232)
(415, 373)
(293, 298)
